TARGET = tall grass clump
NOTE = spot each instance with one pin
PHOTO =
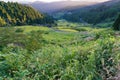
(105, 58)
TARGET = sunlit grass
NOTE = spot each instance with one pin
(68, 30)
(65, 53)
(33, 28)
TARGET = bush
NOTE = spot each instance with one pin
(19, 30)
(2, 22)
(104, 59)
(34, 41)
(80, 29)
(9, 36)
(31, 41)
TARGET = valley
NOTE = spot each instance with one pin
(73, 42)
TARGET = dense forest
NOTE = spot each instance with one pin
(18, 14)
(100, 13)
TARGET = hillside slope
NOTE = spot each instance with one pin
(17, 14)
(56, 6)
(103, 12)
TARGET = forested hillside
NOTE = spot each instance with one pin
(116, 25)
(17, 14)
(100, 13)
(58, 6)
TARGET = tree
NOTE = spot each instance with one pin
(116, 25)
(2, 22)
(18, 14)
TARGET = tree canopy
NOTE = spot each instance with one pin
(18, 14)
(95, 14)
(116, 25)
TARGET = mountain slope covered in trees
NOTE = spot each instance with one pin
(17, 14)
(116, 25)
(100, 13)
(58, 6)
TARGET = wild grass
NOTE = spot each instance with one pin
(32, 28)
(89, 54)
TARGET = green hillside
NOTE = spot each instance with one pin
(17, 14)
(100, 13)
(68, 51)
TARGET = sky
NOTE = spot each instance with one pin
(51, 0)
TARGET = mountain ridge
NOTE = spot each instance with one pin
(94, 14)
(55, 6)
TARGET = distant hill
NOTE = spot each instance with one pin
(98, 13)
(60, 5)
(18, 14)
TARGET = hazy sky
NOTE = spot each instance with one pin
(52, 0)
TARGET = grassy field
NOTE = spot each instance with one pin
(32, 28)
(59, 53)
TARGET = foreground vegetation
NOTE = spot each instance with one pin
(73, 53)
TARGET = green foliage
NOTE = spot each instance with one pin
(2, 22)
(18, 14)
(34, 41)
(101, 13)
(9, 37)
(60, 55)
(31, 41)
(116, 25)
(19, 30)
(105, 58)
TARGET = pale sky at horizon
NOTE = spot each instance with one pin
(52, 0)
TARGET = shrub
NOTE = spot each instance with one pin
(80, 29)
(2, 22)
(34, 41)
(31, 41)
(9, 36)
(105, 58)
(19, 30)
